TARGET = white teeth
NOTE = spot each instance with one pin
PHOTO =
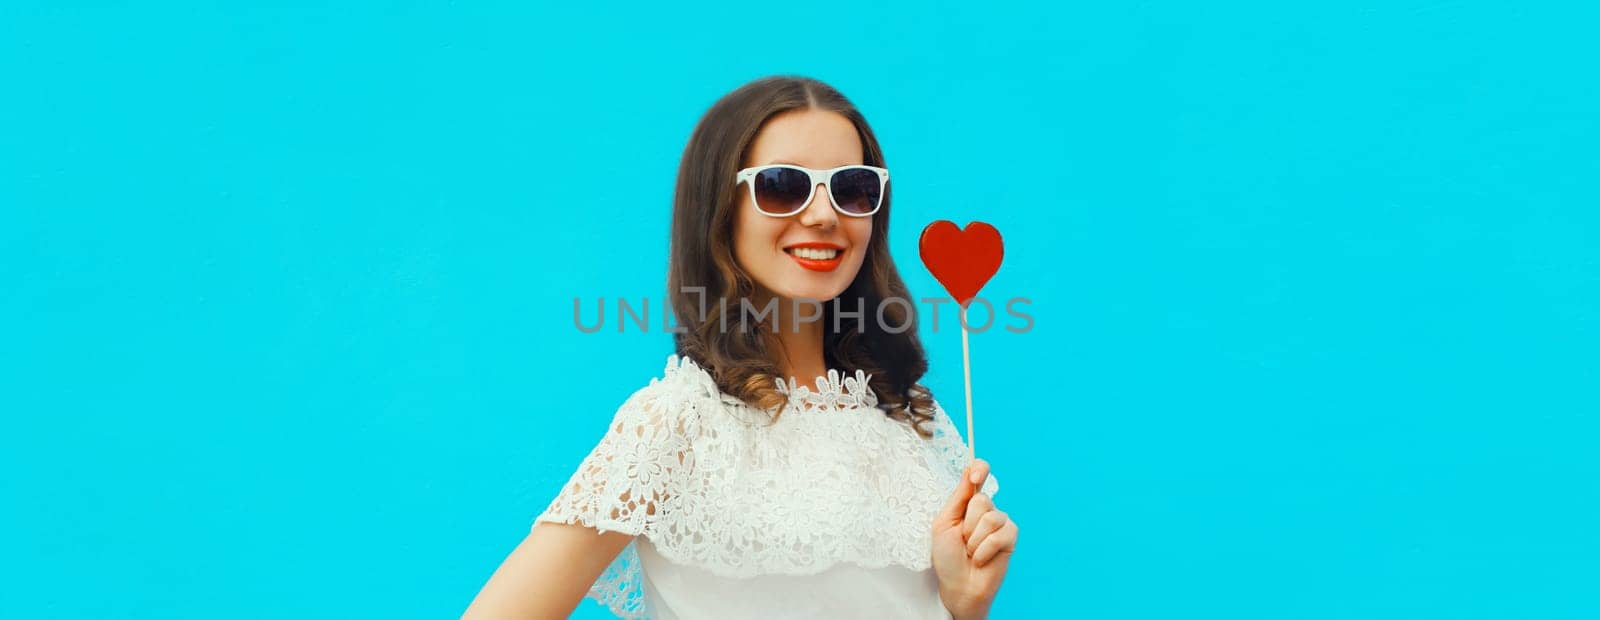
(814, 253)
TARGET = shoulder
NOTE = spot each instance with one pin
(950, 445)
(942, 425)
(675, 401)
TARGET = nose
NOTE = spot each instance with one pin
(820, 212)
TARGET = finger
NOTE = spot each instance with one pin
(979, 505)
(955, 508)
(982, 473)
(999, 543)
(989, 524)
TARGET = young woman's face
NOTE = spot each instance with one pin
(764, 245)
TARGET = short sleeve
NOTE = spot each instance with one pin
(629, 483)
(628, 480)
(950, 451)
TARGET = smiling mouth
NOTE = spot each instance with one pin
(813, 253)
(816, 259)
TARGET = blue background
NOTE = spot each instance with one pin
(287, 296)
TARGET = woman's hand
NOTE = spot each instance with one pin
(972, 546)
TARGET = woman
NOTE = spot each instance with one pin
(727, 488)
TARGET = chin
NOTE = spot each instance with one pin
(819, 294)
(818, 289)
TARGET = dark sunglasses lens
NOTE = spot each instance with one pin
(856, 190)
(781, 190)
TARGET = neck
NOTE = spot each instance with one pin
(797, 347)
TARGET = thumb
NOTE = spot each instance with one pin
(955, 508)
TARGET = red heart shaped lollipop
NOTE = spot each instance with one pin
(961, 260)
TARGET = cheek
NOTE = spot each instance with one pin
(752, 236)
(860, 234)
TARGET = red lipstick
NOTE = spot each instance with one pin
(816, 264)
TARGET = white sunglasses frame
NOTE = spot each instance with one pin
(822, 177)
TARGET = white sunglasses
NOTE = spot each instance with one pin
(782, 190)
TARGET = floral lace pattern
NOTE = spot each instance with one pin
(831, 393)
(681, 465)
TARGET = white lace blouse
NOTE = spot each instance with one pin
(824, 513)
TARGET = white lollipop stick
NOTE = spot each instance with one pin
(966, 368)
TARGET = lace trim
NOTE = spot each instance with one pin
(794, 497)
(831, 393)
(834, 392)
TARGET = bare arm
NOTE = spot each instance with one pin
(548, 574)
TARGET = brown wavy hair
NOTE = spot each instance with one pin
(702, 259)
